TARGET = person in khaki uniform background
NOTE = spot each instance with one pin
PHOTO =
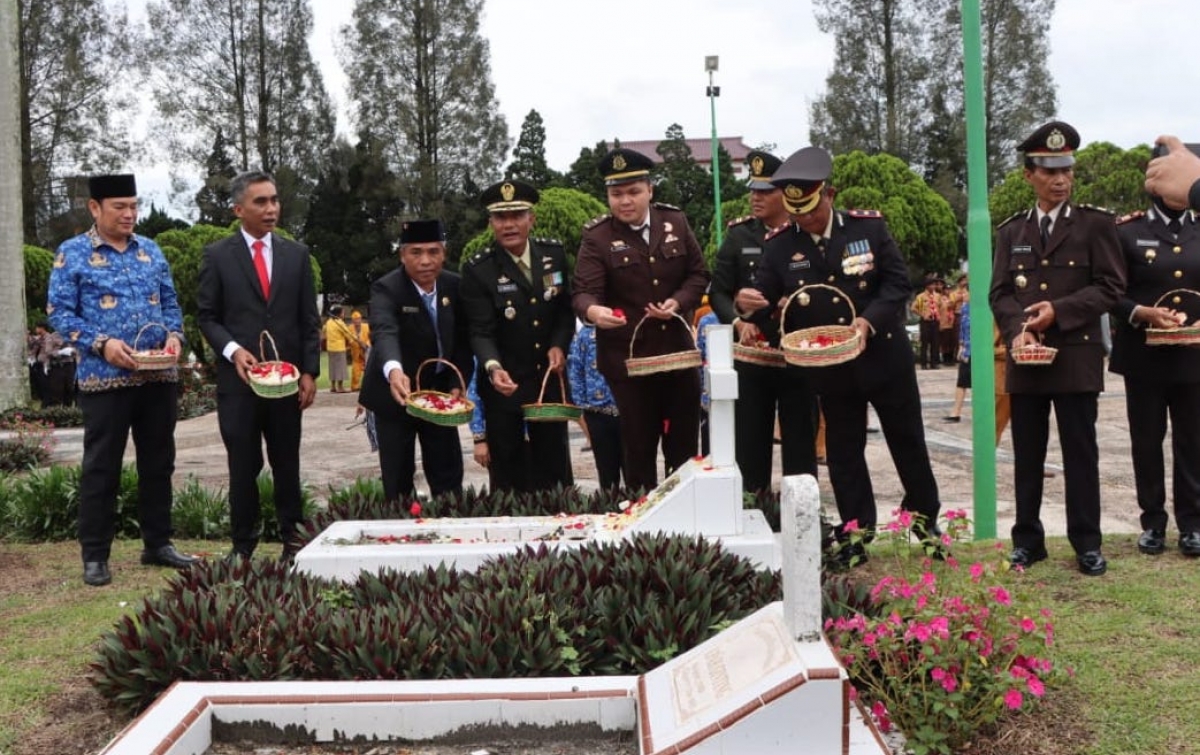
(1057, 269)
(643, 261)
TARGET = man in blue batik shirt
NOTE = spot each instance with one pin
(590, 391)
(111, 293)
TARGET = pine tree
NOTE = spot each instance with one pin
(419, 71)
(529, 156)
(213, 199)
(684, 183)
(584, 174)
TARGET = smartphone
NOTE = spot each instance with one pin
(1159, 150)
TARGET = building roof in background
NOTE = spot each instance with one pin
(701, 148)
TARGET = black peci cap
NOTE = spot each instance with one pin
(1052, 145)
(622, 165)
(802, 177)
(422, 232)
(117, 185)
(509, 196)
(762, 166)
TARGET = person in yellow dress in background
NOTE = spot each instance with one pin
(357, 348)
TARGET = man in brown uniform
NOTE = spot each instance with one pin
(1057, 268)
(643, 261)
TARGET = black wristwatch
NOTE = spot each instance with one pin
(99, 344)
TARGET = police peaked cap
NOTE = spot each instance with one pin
(802, 177)
(622, 165)
(509, 196)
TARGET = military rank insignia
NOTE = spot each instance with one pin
(858, 258)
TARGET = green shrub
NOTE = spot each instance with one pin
(197, 391)
(28, 446)
(266, 501)
(54, 416)
(200, 513)
(43, 505)
(601, 609)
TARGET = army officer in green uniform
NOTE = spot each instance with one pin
(518, 303)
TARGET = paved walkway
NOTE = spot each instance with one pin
(335, 452)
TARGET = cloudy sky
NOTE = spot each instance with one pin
(631, 68)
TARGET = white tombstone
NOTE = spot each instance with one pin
(800, 523)
(722, 393)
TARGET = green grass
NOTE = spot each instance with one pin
(1132, 638)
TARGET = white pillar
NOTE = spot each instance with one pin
(800, 517)
(722, 393)
(14, 389)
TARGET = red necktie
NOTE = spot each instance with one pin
(260, 264)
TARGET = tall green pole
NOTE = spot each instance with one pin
(713, 92)
(979, 263)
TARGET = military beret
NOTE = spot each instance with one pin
(622, 165)
(422, 231)
(119, 185)
(509, 196)
(1052, 145)
(762, 166)
(802, 177)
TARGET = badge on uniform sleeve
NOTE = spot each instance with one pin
(510, 313)
(668, 227)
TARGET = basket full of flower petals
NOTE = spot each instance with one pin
(758, 352)
(656, 363)
(1034, 354)
(437, 407)
(153, 359)
(273, 378)
(821, 345)
(1184, 335)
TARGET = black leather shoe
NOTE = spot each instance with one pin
(166, 555)
(1026, 557)
(1092, 563)
(849, 555)
(96, 574)
(1189, 543)
(1154, 542)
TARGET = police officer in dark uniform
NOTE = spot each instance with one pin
(762, 390)
(518, 303)
(416, 315)
(851, 251)
(1057, 269)
(1162, 260)
(643, 261)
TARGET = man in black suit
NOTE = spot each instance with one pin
(416, 315)
(518, 301)
(253, 282)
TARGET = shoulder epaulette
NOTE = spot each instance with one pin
(739, 221)
(548, 241)
(776, 231)
(595, 222)
(1012, 217)
(663, 206)
(1096, 208)
(1130, 217)
(479, 257)
(858, 213)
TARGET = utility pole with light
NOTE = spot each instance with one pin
(710, 65)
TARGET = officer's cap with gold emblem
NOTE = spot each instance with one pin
(422, 232)
(802, 177)
(1052, 145)
(509, 196)
(762, 166)
(622, 165)
(118, 185)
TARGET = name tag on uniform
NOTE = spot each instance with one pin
(506, 288)
(751, 251)
(801, 265)
(410, 310)
(1022, 249)
(1153, 243)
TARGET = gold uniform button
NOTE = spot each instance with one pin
(841, 321)
(889, 335)
(832, 278)
(532, 300)
(1178, 273)
(651, 258)
(536, 323)
(1086, 337)
(1043, 287)
(1020, 267)
(1071, 263)
(655, 281)
(1176, 300)
(1045, 263)
(1177, 249)
(537, 346)
(751, 264)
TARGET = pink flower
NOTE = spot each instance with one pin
(879, 710)
(415, 508)
(976, 571)
(1036, 687)
(851, 527)
(1013, 699)
(1028, 625)
(1001, 595)
(938, 673)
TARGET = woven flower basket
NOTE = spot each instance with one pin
(758, 354)
(1034, 355)
(802, 347)
(422, 403)
(543, 412)
(1184, 335)
(678, 360)
(152, 359)
(273, 378)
